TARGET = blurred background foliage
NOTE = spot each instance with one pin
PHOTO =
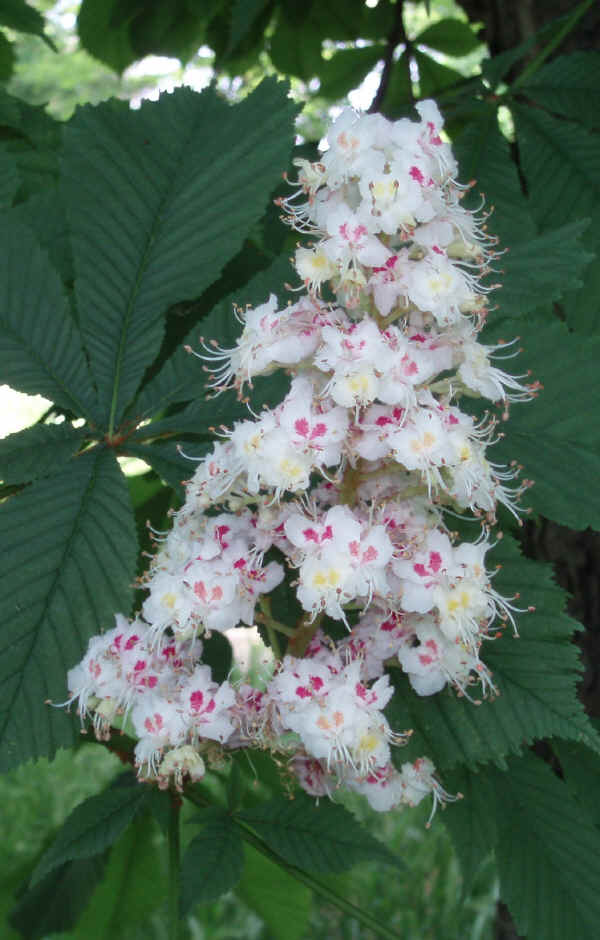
(383, 55)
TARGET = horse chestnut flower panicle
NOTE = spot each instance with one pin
(347, 478)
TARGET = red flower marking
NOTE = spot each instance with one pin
(371, 554)
(435, 561)
(311, 535)
(416, 174)
(196, 700)
(301, 427)
(302, 692)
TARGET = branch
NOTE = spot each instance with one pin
(397, 35)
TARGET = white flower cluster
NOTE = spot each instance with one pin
(345, 483)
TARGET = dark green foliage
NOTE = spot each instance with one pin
(40, 345)
(57, 902)
(167, 183)
(68, 561)
(93, 826)
(323, 838)
(452, 37)
(565, 468)
(212, 863)
(39, 451)
(282, 902)
(158, 225)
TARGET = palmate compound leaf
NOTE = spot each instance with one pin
(556, 437)
(159, 200)
(542, 270)
(561, 164)
(548, 854)
(38, 451)
(546, 845)
(212, 863)
(68, 558)
(568, 85)
(323, 838)
(94, 825)
(534, 269)
(40, 344)
(535, 674)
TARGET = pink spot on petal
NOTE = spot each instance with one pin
(311, 535)
(301, 427)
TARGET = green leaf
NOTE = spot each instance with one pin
(283, 903)
(166, 460)
(38, 451)
(218, 654)
(178, 184)
(102, 37)
(450, 36)
(93, 826)
(483, 154)
(339, 20)
(243, 15)
(567, 86)
(324, 838)
(556, 436)
(581, 771)
(68, 563)
(536, 676)
(56, 903)
(582, 307)
(434, 77)
(561, 162)
(548, 854)
(44, 213)
(131, 889)
(212, 863)
(471, 821)
(296, 50)
(9, 178)
(398, 97)
(7, 58)
(346, 69)
(40, 346)
(541, 270)
(182, 377)
(496, 68)
(20, 16)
